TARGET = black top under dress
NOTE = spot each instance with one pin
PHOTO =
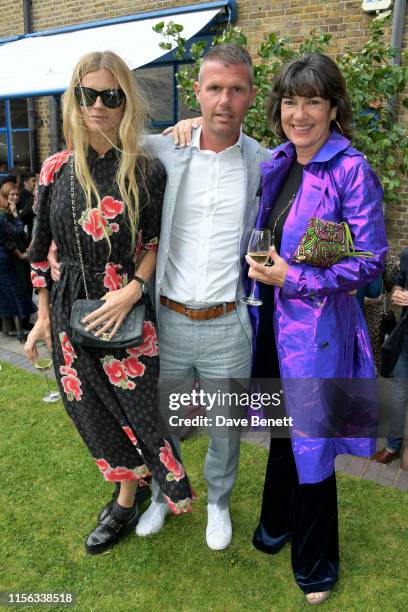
(266, 364)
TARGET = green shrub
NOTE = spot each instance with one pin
(374, 81)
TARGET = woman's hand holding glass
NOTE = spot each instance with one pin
(38, 349)
(258, 248)
(43, 363)
(41, 332)
(269, 275)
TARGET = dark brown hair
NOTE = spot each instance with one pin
(313, 74)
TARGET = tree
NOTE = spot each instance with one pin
(373, 83)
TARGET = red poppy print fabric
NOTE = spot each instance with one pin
(150, 345)
(51, 166)
(111, 208)
(113, 279)
(180, 507)
(38, 273)
(122, 473)
(148, 245)
(69, 375)
(67, 349)
(116, 372)
(95, 221)
(71, 383)
(176, 470)
(130, 434)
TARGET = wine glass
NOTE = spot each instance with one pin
(44, 363)
(258, 249)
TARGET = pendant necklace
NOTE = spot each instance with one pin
(291, 200)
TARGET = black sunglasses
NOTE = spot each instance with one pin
(111, 98)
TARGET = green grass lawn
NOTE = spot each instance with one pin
(51, 493)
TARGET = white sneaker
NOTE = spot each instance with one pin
(153, 519)
(219, 528)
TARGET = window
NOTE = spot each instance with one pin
(18, 111)
(3, 139)
(3, 153)
(159, 85)
(14, 138)
(21, 150)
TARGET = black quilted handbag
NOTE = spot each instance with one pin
(130, 332)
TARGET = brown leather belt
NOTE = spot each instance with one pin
(198, 314)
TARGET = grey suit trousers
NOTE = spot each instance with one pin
(215, 351)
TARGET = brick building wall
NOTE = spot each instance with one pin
(343, 19)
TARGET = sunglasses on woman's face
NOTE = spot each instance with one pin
(111, 98)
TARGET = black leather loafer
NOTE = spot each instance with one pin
(142, 495)
(109, 531)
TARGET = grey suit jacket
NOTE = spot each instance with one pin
(176, 162)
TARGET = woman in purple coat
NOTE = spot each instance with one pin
(310, 325)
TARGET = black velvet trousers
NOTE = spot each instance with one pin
(305, 514)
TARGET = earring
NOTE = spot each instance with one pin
(339, 126)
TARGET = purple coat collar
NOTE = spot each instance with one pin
(333, 145)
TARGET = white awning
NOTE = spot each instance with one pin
(42, 65)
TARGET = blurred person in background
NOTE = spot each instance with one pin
(375, 302)
(15, 297)
(18, 247)
(399, 397)
(26, 201)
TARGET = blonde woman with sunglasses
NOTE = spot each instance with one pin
(110, 394)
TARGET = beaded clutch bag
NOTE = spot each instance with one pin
(325, 242)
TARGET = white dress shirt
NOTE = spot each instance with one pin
(203, 263)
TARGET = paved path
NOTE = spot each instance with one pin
(389, 475)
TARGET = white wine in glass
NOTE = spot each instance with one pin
(260, 258)
(258, 249)
(44, 364)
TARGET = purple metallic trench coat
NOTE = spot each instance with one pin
(320, 330)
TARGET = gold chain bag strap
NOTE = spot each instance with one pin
(130, 332)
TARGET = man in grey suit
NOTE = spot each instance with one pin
(209, 211)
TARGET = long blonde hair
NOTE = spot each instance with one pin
(129, 133)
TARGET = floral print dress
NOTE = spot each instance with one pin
(111, 395)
